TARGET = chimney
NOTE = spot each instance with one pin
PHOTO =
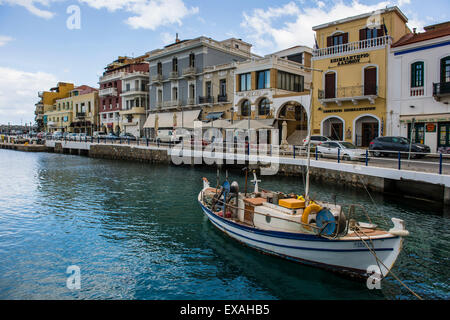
(177, 40)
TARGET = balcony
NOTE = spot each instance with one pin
(189, 72)
(111, 76)
(173, 75)
(157, 79)
(207, 99)
(190, 101)
(352, 47)
(108, 92)
(441, 90)
(353, 94)
(222, 98)
(81, 115)
(171, 103)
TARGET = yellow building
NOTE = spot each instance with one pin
(77, 113)
(349, 95)
(47, 102)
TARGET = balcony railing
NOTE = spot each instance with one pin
(441, 89)
(352, 47)
(188, 72)
(352, 93)
(173, 75)
(207, 99)
(157, 78)
(171, 103)
(222, 98)
(81, 114)
(417, 92)
(190, 101)
(108, 92)
(111, 76)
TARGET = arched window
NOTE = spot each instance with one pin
(417, 72)
(245, 108)
(264, 107)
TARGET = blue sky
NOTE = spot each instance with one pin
(37, 49)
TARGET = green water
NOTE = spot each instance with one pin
(136, 232)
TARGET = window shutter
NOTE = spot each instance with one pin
(329, 41)
(362, 34)
(380, 32)
(413, 71)
(345, 38)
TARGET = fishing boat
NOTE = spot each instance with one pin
(303, 230)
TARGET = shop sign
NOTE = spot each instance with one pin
(349, 59)
(431, 127)
(350, 110)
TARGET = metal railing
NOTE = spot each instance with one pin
(437, 163)
(352, 91)
(441, 88)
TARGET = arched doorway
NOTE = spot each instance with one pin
(365, 129)
(297, 122)
(333, 128)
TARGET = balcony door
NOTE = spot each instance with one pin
(370, 81)
(330, 85)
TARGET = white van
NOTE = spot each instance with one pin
(169, 135)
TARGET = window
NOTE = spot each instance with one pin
(245, 108)
(159, 67)
(191, 91)
(338, 39)
(371, 33)
(127, 87)
(290, 82)
(264, 107)
(445, 70)
(192, 60)
(175, 65)
(208, 88)
(175, 93)
(263, 79)
(223, 87)
(246, 82)
(417, 71)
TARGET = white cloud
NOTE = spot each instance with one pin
(4, 40)
(18, 93)
(147, 14)
(32, 6)
(277, 28)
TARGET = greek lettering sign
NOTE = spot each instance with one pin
(349, 59)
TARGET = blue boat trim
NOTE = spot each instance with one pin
(277, 234)
(209, 213)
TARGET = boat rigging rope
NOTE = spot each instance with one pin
(391, 272)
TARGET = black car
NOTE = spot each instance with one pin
(392, 145)
(127, 136)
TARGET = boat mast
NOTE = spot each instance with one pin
(309, 132)
(309, 145)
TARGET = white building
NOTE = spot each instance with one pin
(419, 87)
(275, 89)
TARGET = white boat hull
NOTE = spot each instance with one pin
(351, 257)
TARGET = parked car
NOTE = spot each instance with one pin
(57, 135)
(392, 145)
(99, 134)
(128, 136)
(111, 136)
(175, 136)
(348, 151)
(315, 140)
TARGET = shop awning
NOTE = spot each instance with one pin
(437, 117)
(166, 119)
(214, 115)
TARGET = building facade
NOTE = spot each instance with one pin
(419, 88)
(275, 89)
(350, 90)
(123, 95)
(78, 113)
(177, 85)
(47, 103)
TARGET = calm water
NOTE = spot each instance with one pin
(136, 232)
